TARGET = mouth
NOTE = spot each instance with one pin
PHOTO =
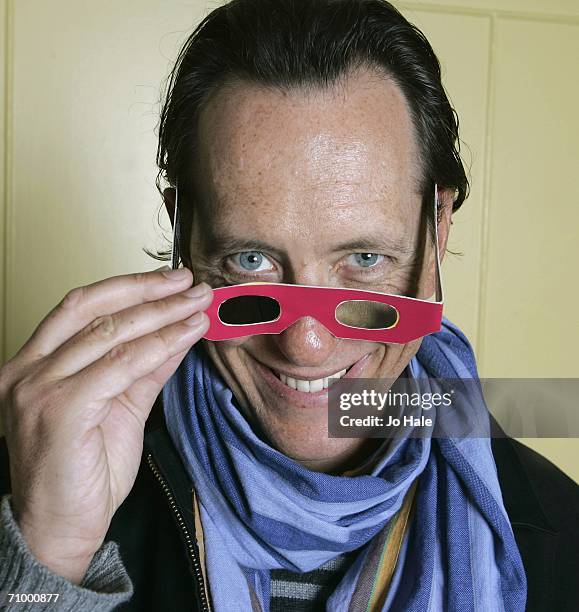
(308, 390)
(311, 385)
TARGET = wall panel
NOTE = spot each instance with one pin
(4, 138)
(536, 9)
(87, 80)
(530, 319)
(462, 44)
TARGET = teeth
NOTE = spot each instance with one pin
(290, 382)
(303, 385)
(311, 386)
(316, 385)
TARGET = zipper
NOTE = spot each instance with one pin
(179, 517)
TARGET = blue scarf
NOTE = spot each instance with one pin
(261, 510)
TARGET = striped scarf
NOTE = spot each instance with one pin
(261, 510)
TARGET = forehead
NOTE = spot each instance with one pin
(342, 152)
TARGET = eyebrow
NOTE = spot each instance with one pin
(219, 246)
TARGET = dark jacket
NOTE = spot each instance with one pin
(155, 526)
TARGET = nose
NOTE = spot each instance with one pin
(306, 343)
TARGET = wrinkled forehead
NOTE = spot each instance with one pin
(347, 153)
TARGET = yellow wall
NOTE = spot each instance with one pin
(79, 89)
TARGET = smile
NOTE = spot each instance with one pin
(308, 392)
(311, 386)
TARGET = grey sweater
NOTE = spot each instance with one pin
(105, 585)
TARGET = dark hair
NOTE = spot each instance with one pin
(305, 43)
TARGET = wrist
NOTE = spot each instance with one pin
(63, 555)
(72, 569)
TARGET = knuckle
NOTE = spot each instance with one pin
(162, 346)
(141, 279)
(103, 327)
(23, 393)
(5, 379)
(121, 354)
(73, 298)
(31, 404)
(166, 305)
(6, 398)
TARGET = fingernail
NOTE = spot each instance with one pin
(197, 291)
(196, 320)
(178, 274)
(162, 268)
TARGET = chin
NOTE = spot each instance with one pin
(310, 444)
(320, 453)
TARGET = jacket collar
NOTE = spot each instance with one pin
(160, 447)
(521, 499)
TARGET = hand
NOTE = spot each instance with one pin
(74, 401)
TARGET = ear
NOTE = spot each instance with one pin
(169, 199)
(445, 202)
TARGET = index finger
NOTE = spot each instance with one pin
(83, 304)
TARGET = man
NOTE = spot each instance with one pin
(307, 139)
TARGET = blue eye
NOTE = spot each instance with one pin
(251, 261)
(366, 260)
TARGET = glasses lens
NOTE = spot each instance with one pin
(249, 309)
(367, 314)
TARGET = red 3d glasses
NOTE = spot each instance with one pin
(270, 308)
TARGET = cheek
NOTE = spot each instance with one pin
(232, 359)
(396, 358)
(227, 358)
(403, 281)
(225, 350)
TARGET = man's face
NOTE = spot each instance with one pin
(285, 180)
